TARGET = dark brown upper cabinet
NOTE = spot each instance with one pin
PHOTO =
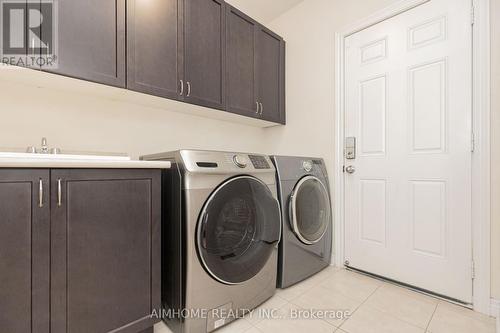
(176, 50)
(91, 40)
(202, 52)
(23, 43)
(154, 47)
(270, 75)
(24, 251)
(241, 68)
(204, 56)
(255, 69)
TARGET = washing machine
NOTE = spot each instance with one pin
(306, 244)
(220, 234)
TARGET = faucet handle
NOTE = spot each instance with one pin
(31, 150)
(44, 141)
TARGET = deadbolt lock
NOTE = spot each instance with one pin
(350, 148)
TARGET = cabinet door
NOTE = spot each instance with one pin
(105, 243)
(240, 55)
(21, 40)
(270, 61)
(204, 59)
(154, 58)
(24, 251)
(91, 40)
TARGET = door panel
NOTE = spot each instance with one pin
(241, 70)
(24, 251)
(408, 98)
(91, 40)
(204, 56)
(269, 49)
(154, 44)
(105, 250)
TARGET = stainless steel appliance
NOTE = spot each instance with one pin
(306, 244)
(221, 229)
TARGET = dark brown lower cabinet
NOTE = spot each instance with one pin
(24, 251)
(104, 250)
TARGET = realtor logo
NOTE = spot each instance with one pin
(28, 33)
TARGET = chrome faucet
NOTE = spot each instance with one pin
(44, 149)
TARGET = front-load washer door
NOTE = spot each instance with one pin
(309, 210)
(238, 229)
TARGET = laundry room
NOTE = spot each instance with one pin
(190, 166)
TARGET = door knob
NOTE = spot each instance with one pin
(350, 169)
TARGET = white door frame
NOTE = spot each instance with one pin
(481, 140)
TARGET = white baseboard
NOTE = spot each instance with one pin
(495, 311)
(495, 308)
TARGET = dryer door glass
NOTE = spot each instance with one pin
(310, 210)
(238, 230)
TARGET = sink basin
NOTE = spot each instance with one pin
(65, 156)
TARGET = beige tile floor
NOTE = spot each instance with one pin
(374, 307)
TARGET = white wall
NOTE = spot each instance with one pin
(309, 30)
(91, 123)
(263, 11)
(495, 148)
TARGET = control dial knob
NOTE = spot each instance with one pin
(240, 161)
(307, 165)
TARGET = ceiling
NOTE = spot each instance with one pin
(264, 11)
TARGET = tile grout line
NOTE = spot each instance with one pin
(360, 305)
(309, 289)
(290, 302)
(389, 314)
(401, 319)
(432, 317)
(254, 325)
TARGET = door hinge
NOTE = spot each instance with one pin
(473, 270)
(473, 142)
(473, 14)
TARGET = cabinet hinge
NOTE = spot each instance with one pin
(473, 270)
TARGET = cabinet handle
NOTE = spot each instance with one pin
(257, 103)
(59, 193)
(182, 87)
(47, 54)
(261, 108)
(40, 193)
(189, 89)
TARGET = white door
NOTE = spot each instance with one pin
(408, 104)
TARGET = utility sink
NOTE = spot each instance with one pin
(65, 156)
(45, 153)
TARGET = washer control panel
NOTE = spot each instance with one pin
(225, 162)
(259, 162)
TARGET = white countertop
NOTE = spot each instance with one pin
(8, 162)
